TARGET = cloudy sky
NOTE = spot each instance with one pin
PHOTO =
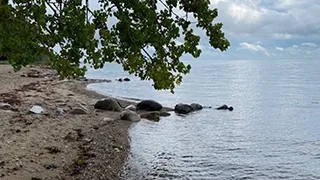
(268, 29)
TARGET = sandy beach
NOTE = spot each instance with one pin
(57, 144)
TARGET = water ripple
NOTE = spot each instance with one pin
(273, 132)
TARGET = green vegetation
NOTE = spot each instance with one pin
(141, 35)
(4, 62)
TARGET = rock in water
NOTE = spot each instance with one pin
(149, 105)
(109, 104)
(165, 114)
(126, 79)
(131, 107)
(196, 106)
(36, 109)
(223, 107)
(128, 115)
(208, 107)
(153, 116)
(183, 108)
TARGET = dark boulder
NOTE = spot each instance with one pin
(196, 106)
(120, 80)
(126, 79)
(109, 104)
(183, 108)
(149, 105)
(225, 107)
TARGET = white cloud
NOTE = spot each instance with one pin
(312, 45)
(279, 48)
(283, 36)
(244, 13)
(254, 48)
(265, 18)
(203, 47)
(306, 50)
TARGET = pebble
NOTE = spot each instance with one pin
(5, 106)
(36, 109)
(79, 109)
(59, 111)
(107, 119)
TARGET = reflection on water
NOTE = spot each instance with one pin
(273, 133)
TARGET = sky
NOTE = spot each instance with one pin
(266, 29)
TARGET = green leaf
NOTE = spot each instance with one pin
(139, 35)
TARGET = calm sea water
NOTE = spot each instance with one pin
(273, 132)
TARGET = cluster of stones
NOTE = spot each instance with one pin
(147, 109)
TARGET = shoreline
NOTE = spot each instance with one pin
(51, 146)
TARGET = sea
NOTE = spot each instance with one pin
(272, 133)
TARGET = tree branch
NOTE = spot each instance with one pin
(147, 54)
(166, 6)
(51, 7)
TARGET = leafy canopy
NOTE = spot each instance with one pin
(141, 35)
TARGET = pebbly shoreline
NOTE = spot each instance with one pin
(57, 144)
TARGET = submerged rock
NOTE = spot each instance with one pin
(165, 114)
(109, 104)
(196, 106)
(207, 107)
(225, 107)
(153, 116)
(128, 115)
(149, 105)
(36, 109)
(183, 108)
